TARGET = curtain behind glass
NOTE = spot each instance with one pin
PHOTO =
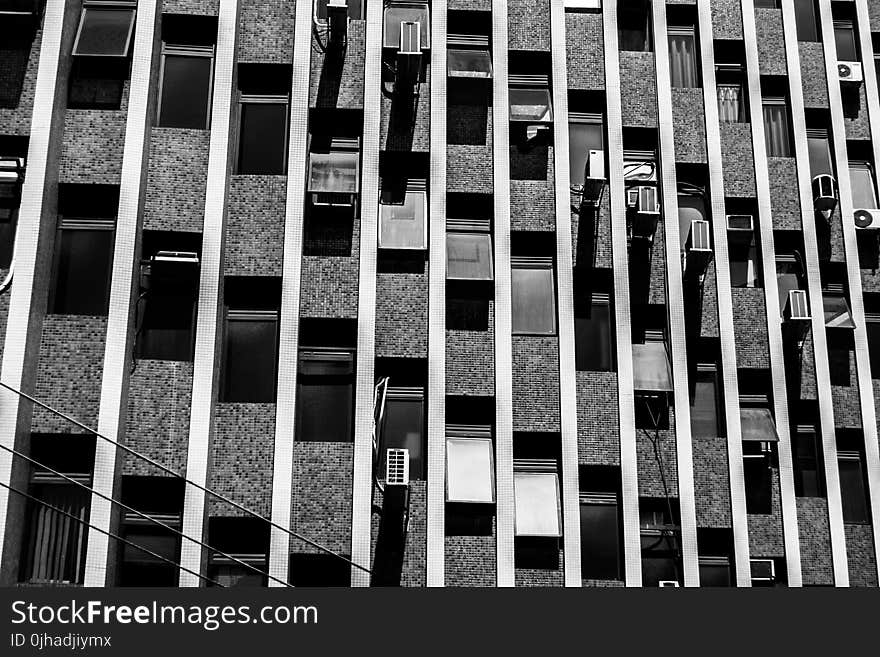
(682, 60)
(776, 130)
(730, 103)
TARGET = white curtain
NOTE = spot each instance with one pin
(729, 103)
(57, 541)
(682, 60)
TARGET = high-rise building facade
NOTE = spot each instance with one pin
(448, 293)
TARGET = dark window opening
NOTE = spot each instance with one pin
(634, 25)
(533, 285)
(872, 325)
(853, 481)
(187, 70)
(320, 569)
(758, 477)
(715, 547)
(15, 51)
(660, 536)
(707, 407)
(845, 40)
(263, 118)
(403, 426)
(600, 523)
(325, 395)
(250, 340)
(595, 340)
(247, 540)
(809, 479)
(12, 171)
(806, 20)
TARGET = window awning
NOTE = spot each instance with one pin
(651, 370)
(758, 425)
(837, 313)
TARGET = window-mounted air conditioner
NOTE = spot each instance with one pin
(645, 209)
(668, 582)
(763, 570)
(824, 194)
(409, 54)
(397, 467)
(850, 72)
(594, 177)
(797, 308)
(740, 222)
(698, 251)
(866, 218)
(337, 18)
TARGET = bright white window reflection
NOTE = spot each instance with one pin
(469, 470)
(536, 496)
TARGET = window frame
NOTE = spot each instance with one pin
(417, 188)
(185, 50)
(866, 166)
(601, 499)
(604, 300)
(332, 198)
(326, 354)
(710, 371)
(530, 83)
(262, 99)
(476, 434)
(242, 315)
(781, 102)
(476, 227)
(584, 119)
(538, 264)
(686, 31)
(855, 456)
(538, 467)
(405, 394)
(839, 27)
(81, 224)
(97, 6)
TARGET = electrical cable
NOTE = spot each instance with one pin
(171, 472)
(110, 534)
(140, 514)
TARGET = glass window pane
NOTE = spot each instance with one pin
(82, 274)
(837, 313)
(731, 108)
(250, 362)
(262, 140)
(683, 60)
(399, 13)
(758, 480)
(186, 91)
(704, 409)
(758, 425)
(463, 63)
(714, 575)
(469, 474)
(534, 306)
(820, 154)
(776, 131)
(403, 226)
(594, 340)
(805, 18)
(651, 367)
(469, 256)
(104, 32)
(852, 489)
(536, 497)
(743, 257)
(166, 331)
(236, 575)
(404, 428)
(532, 105)
(582, 138)
(325, 399)
(861, 178)
(334, 172)
(845, 40)
(600, 550)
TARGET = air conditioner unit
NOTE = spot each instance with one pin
(397, 467)
(797, 308)
(866, 218)
(594, 177)
(763, 570)
(850, 72)
(668, 582)
(741, 222)
(824, 194)
(409, 54)
(698, 250)
(337, 18)
(645, 208)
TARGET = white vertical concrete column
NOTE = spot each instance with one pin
(436, 533)
(208, 314)
(675, 302)
(21, 294)
(504, 501)
(117, 350)
(863, 363)
(771, 291)
(739, 519)
(565, 305)
(632, 547)
(366, 340)
(829, 447)
(288, 339)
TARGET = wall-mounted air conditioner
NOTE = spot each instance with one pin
(409, 54)
(850, 72)
(644, 208)
(866, 218)
(797, 308)
(397, 467)
(824, 194)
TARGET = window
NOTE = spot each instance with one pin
(731, 93)
(399, 12)
(530, 99)
(714, 571)
(808, 478)
(355, 10)
(468, 57)
(325, 395)
(575, 5)
(83, 263)
(872, 323)
(600, 536)
(758, 435)
(11, 179)
(651, 369)
(536, 497)
(594, 336)
(166, 331)
(659, 538)
(763, 572)
(245, 539)
(334, 171)
(403, 225)
(639, 167)
(819, 147)
(250, 355)
(691, 207)
(534, 296)
(586, 134)
(852, 487)
(105, 29)
(683, 56)
(469, 250)
(836, 310)
(706, 407)
(187, 69)
(861, 178)
(404, 427)
(470, 469)
(743, 254)
(634, 25)
(767, 4)
(805, 19)
(789, 274)
(845, 41)
(263, 116)
(777, 127)
(55, 543)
